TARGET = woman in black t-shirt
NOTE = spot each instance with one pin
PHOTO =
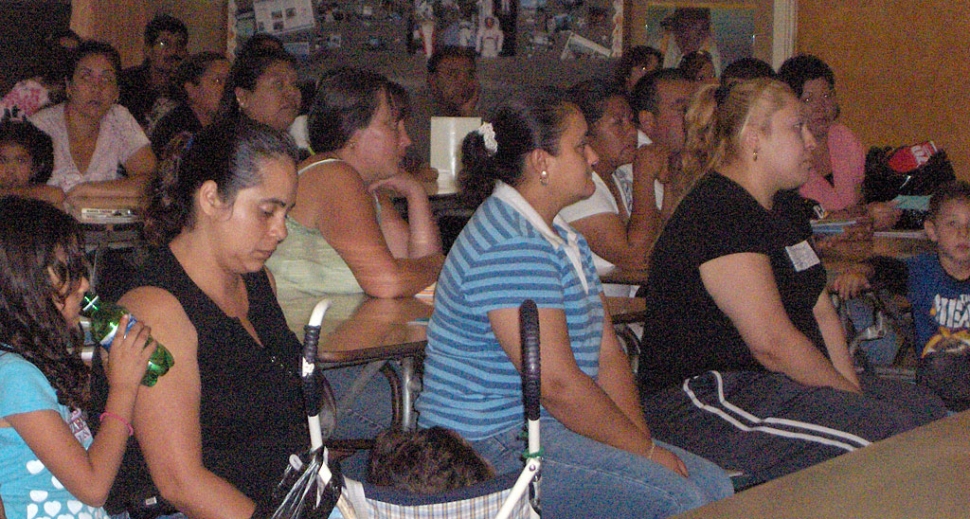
(742, 345)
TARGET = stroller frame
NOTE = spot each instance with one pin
(320, 401)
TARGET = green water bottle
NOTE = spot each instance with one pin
(105, 318)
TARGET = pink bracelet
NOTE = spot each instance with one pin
(109, 414)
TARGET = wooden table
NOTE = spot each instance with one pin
(923, 473)
(892, 244)
(620, 276)
(359, 329)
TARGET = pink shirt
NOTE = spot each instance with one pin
(24, 100)
(848, 169)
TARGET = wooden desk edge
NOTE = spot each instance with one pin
(854, 476)
(337, 358)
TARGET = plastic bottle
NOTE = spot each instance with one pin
(105, 318)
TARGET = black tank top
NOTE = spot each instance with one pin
(250, 412)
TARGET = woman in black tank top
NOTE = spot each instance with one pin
(216, 430)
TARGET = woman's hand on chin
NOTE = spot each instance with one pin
(401, 183)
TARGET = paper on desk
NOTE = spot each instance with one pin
(913, 203)
(831, 226)
(427, 294)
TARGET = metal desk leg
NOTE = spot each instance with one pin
(411, 387)
(102, 244)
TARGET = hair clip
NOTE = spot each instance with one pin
(488, 135)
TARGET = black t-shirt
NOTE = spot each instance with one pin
(135, 92)
(686, 333)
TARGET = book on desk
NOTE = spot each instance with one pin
(106, 211)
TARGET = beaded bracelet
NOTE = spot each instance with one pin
(109, 414)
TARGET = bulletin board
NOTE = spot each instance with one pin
(550, 29)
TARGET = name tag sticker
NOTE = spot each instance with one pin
(802, 256)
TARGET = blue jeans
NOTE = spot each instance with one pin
(369, 413)
(585, 478)
(879, 352)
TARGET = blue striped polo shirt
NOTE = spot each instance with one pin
(499, 260)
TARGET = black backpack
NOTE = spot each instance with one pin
(882, 183)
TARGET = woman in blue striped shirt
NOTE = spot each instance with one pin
(533, 158)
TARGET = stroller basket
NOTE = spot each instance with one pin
(514, 495)
(480, 501)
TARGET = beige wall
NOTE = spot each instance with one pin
(122, 23)
(902, 69)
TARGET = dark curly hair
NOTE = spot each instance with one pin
(426, 461)
(523, 125)
(38, 144)
(42, 259)
(94, 48)
(798, 70)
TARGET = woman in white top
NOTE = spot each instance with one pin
(94, 137)
(621, 220)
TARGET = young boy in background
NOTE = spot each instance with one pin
(26, 162)
(938, 288)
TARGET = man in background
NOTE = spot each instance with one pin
(659, 101)
(146, 89)
(453, 91)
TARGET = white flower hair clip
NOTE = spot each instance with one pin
(488, 135)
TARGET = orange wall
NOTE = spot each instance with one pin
(99, 19)
(902, 70)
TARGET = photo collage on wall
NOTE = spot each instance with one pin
(566, 29)
(725, 34)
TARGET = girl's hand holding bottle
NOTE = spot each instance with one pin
(129, 355)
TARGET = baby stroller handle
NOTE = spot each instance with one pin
(529, 330)
(318, 397)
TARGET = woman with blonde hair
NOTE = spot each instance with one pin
(744, 358)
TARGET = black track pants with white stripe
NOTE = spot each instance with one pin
(766, 425)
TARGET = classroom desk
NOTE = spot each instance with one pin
(107, 223)
(923, 473)
(891, 244)
(358, 329)
(620, 276)
(894, 244)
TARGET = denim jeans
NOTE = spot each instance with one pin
(879, 352)
(368, 414)
(585, 478)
